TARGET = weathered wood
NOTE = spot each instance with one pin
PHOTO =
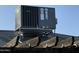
(66, 42)
(76, 42)
(59, 44)
(48, 43)
(28, 43)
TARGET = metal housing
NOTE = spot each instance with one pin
(31, 19)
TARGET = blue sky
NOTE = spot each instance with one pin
(7, 17)
(68, 18)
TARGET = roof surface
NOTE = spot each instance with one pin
(53, 41)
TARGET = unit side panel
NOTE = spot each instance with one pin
(47, 18)
(52, 18)
(18, 17)
(29, 17)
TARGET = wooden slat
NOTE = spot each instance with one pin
(66, 42)
(28, 43)
(59, 44)
(76, 42)
(48, 43)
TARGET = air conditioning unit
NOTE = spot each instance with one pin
(35, 20)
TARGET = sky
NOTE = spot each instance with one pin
(67, 16)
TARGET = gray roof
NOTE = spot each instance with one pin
(6, 36)
(63, 40)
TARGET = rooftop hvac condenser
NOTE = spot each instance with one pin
(32, 19)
